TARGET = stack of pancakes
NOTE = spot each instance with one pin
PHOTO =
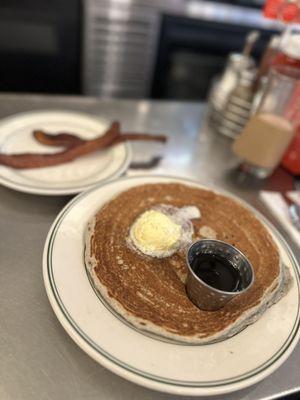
(150, 292)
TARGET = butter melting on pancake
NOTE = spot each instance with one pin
(150, 292)
(163, 230)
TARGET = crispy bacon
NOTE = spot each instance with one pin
(69, 139)
(140, 136)
(59, 139)
(34, 160)
(74, 147)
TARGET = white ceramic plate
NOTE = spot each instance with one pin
(182, 369)
(74, 177)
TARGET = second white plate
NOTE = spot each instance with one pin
(74, 177)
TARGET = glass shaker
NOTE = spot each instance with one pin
(268, 133)
(236, 63)
(237, 110)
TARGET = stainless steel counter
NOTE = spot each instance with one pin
(38, 360)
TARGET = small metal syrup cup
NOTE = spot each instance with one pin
(205, 296)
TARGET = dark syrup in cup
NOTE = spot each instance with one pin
(218, 272)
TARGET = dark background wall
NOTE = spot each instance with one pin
(40, 46)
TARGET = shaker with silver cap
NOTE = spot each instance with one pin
(238, 106)
(239, 70)
(221, 90)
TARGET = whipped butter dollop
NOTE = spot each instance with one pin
(155, 233)
(162, 230)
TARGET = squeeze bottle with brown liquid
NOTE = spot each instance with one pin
(268, 133)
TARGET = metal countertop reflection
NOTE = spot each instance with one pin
(38, 360)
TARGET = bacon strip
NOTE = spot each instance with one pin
(34, 160)
(68, 139)
(140, 136)
(74, 147)
(59, 139)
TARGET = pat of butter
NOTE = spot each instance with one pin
(155, 234)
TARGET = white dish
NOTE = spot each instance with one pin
(74, 177)
(182, 369)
